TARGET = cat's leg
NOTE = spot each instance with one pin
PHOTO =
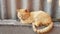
(36, 24)
(46, 29)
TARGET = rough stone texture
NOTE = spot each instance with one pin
(25, 29)
(16, 30)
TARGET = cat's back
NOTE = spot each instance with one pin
(35, 13)
(38, 13)
(42, 16)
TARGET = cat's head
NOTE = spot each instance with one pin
(23, 10)
(24, 13)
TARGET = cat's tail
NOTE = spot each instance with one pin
(44, 30)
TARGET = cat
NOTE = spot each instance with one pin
(24, 16)
(36, 17)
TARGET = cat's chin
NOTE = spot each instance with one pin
(23, 22)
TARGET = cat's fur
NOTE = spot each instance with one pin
(25, 16)
(36, 17)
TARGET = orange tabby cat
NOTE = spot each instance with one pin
(37, 18)
(25, 16)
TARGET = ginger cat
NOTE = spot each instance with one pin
(36, 17)
(24, 16)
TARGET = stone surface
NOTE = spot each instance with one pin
(10, 29)
(24, 29)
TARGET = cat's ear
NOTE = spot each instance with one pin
(26, 10)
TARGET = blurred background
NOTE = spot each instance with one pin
(8, 11)
(8, 7)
